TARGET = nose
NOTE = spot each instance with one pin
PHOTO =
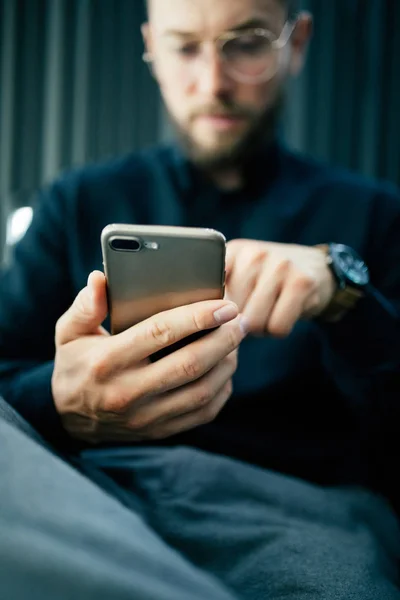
(212, 78)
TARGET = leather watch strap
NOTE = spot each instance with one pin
(342, 301)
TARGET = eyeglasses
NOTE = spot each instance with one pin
(250, 56)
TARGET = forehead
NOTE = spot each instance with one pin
(212, 16)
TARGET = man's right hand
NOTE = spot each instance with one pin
(106, 389)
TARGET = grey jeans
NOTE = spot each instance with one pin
(181, 524)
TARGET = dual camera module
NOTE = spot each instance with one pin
(124, 244)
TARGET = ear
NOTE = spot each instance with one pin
(147, 38)
(299, 43)
(149, 48)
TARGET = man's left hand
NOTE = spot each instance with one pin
(275, 285)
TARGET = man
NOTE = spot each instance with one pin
(274, 489)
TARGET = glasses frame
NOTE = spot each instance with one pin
(277, 44)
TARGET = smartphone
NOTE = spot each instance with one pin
(153, 268)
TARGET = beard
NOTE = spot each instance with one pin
(236, 151)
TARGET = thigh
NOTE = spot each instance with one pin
(9, 415)
(263, 534)
(62, 536)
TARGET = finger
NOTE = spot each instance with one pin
(196, 418)
(145, 425)
(232, 249)
(265, 294)
(290, 305)
(87, 312)
(186, 399)
(242, 277)
(195, 360)
(158, 332)
(183, 366)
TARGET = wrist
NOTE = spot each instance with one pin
(351, 277)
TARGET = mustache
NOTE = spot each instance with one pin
(221, 110)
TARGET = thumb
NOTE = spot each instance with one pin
(85, 315)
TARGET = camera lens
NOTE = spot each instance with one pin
(125, 244)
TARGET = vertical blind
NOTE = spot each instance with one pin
(346, 106)
(73, 89)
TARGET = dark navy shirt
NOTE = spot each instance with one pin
(314, 404)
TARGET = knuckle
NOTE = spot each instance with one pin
(210, 413)
(259, 328)
(161, 333)
(304, 283)
(253, 260)
(99, 367)
(190, 367)
(283, 266)
(139, 425)
(208, 416)
(116, 401)
(202, 397)
(234, 338)
(279, 329)
(199, 321)
(212, 410)
(258, 257)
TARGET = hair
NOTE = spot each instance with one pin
(291, 5)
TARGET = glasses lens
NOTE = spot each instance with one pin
(250, 54)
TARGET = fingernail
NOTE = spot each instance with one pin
(226, 314)
(244, 325)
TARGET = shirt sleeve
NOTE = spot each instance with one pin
(367, 340)
(35, 289)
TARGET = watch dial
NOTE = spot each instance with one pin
(352, 266)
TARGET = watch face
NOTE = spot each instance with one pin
(351, 267)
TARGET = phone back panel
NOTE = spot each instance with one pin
(187, 267)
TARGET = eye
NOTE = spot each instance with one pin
(251, 44)
(189, 50)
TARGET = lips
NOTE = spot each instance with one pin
(221, 121)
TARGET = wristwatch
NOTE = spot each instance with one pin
(351, 276)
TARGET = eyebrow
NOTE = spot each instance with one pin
(254, 23)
